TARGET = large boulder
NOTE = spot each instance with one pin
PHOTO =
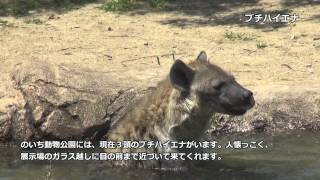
(62, 103)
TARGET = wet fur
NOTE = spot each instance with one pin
(167, 113)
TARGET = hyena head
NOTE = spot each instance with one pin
(210, 87)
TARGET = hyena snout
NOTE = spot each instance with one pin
(248, 99)
(247, 94)
(240, 100)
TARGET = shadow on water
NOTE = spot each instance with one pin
(206, 171)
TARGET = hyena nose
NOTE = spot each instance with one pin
(247, 94)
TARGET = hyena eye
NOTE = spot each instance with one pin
(219, 86)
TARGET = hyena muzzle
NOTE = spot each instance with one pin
(179, 108)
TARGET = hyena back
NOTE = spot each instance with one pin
(180, 107)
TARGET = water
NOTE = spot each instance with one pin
(294, 156)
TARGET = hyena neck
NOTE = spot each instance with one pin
(186, 119)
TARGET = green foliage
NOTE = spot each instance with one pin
(238, 36)
(19, 7)
(261, 45)
(4, 23)
(244, 37)
(117, 5)
(316, 45)
(125, 5)
(34, 21)
(157, 3)
(22, 7)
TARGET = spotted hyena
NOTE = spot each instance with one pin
(180, 107)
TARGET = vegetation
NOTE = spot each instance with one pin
(34, 21)
(238, 36)
(125, 5)
(118, 5)
(23, 7)
(316, 45)
(261, 45)
(4, 23)
(157, 3)
(244, 37)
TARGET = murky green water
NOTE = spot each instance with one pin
(294, 156)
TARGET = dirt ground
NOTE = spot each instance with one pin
(124, 46)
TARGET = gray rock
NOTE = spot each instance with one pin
(60, 104)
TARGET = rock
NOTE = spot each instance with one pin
(5, 127)
(62, 103)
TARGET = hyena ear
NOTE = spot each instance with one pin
(181, 76)
(202, 57)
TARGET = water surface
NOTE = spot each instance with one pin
(292, 156)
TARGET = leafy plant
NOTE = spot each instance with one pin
(4, 23)
(117, 5)
(261, 45)
(157, 3)
(238, 36)
(316, 45)
(22, 7)
(34, 21)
